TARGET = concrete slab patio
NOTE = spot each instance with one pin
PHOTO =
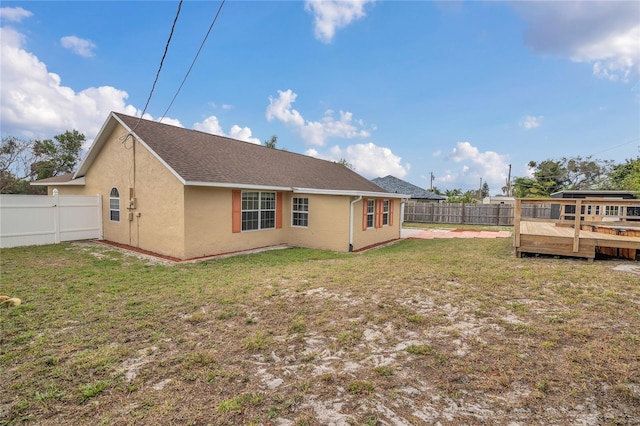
(429, 234)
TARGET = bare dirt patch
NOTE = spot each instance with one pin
(421, 332)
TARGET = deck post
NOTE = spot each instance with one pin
(576, 225)
(516, 222)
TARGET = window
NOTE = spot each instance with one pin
(385, 212)
(612, 211)
(258, 210)
(300, 211)
(377, 213)
(114, 205)
(370, 213)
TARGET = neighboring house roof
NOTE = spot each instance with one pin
(203, 159)
(582, 193)
(393, 184)
(65, 179)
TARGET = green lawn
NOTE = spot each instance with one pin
(456, 331)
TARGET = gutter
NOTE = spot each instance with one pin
(351, 223)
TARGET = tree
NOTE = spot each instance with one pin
(625, 176)
(22, 161)
(345, 163)
(16, 157)
(457, 196)
(59, 157)
(484, 192)
(271, 143)
(585, 173)
(551, 176)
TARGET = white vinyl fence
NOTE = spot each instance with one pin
(42, 219)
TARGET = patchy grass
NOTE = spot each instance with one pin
(420, 332)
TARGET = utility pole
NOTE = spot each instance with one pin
(431, 186)
(509, 183)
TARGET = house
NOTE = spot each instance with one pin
(499, 199)
(399, 186)
(188, 194)
(612, 212)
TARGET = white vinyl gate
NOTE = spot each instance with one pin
(42, 219)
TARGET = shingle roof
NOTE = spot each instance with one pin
(57, 179)
(203, 158)
(393, 184)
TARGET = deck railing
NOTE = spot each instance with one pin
(579, 214)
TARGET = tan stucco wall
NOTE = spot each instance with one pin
(158, 219)
(328, 222)
(190, 222)
(208, 225)
(372, 236)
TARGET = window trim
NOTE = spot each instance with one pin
(371, 214)
(115, 198)
(300, 212)
(260, 210)
(377, 213)
(385, 212)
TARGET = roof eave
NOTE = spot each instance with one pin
(238, 185)
(349, 192)
(72, 182)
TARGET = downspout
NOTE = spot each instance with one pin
(351, 223)
(403, 202)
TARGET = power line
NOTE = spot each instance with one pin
(617, 146)
(194, 61)
(166, 48)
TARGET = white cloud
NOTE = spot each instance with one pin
(212, 125)
(605, 34)
(14, 14)
(34, 103)
(531, 122)
(166, 120)
(473, 165)
(330, 15)
(79, 46)
(314, 132)
(368, 159)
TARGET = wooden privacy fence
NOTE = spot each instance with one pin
(43, 219)
(470, 214)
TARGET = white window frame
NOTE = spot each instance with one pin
(114, 204)
(371, 213)
(300, 212)
(612, 210)
(263, 206)
(385, 212)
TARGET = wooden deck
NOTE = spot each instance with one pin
(577, 237)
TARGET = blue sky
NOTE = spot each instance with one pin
(460, 89)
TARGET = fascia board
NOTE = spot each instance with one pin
(348, 192)
(238, 185)
(73, 182)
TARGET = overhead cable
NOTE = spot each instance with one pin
(166, 48)
(194, 61)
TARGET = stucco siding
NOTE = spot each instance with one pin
(371, 236)
(328, 227)
(157, 220)
(208, 230)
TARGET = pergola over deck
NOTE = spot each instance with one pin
(577, 227)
